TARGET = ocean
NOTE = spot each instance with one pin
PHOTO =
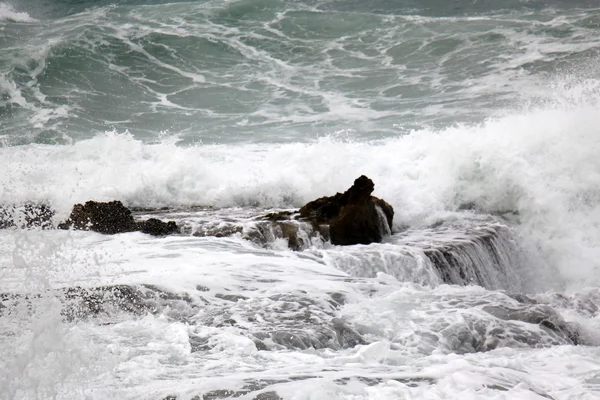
(477, 120)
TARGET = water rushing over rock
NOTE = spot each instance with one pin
(488, 256)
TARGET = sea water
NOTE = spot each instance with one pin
(474, 119)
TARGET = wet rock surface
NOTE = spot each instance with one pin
(108, 218)
(352, 216)
(484, 255)
(156, 227)
(113, 217)
(83, 303)
(460, 323)
(466, 324)
(538, 314)
(103, 217)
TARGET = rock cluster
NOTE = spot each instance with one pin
(113, 217)
(352, 217)
(108, 218)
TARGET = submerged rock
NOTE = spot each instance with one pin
(352, 216)
(113, 217)
(89, 302)
(299, 235)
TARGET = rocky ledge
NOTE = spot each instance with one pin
(108, 218)
(352, 217)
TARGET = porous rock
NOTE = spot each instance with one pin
(157, 227)
(113, 217)
(108, 218)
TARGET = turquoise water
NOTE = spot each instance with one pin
(273, 71)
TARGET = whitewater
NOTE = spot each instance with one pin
(477, 122)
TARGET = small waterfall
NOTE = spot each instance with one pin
(487, 256)
(298, 235)
(475, 250)
(383, 224)
(476, 253)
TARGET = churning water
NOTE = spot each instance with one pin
(478, 121)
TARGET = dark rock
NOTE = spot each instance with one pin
(108, 218)
(289, 231)
(260, 345)
(6, 219)
(338, 299)
(522, 298)
(113, 217)
(387, 209)
(352, 216)
(84, 302)
(227, 322)
(157, 227)
(333, 335)
(81, 303)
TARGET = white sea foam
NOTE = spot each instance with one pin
(541, 164)
(419, 336)
(7, 12)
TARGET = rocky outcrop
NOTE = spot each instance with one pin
(113, 217)
(108, 218)
(352, 216)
